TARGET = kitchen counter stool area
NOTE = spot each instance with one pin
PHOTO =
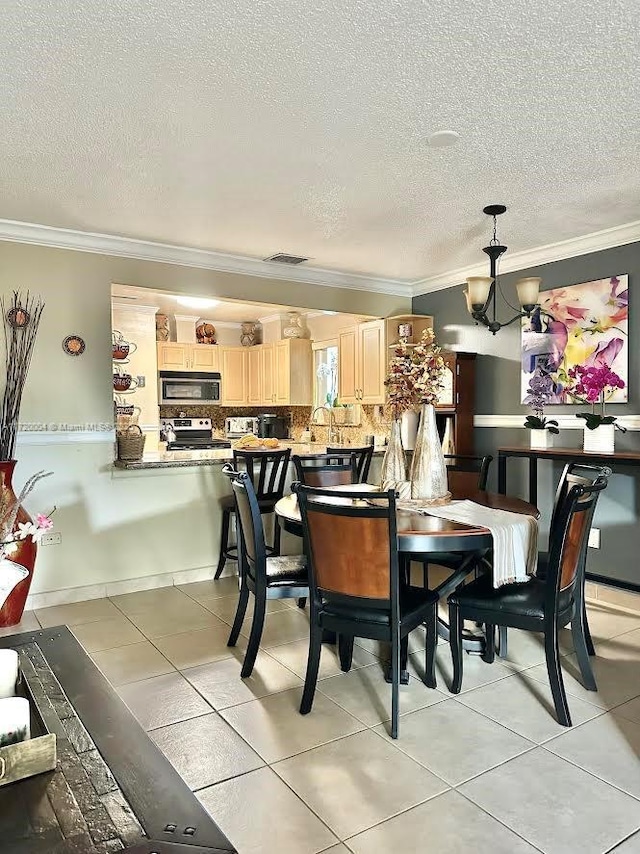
(472, 771)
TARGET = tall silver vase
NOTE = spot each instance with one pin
(428, 469)
(394, 464)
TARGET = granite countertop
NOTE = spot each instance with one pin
(215, 456)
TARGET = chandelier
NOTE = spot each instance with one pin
(481, 290)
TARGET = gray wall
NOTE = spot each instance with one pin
(498, 393)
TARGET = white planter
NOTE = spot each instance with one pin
(540, 439)
(409, 429)
(601, 440)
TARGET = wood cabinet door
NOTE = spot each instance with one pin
(348, 365)
(254, 375)
(282, 372)
(371, 361)
(268, 374)
(173, 356)
(233, 372)
(205, 357)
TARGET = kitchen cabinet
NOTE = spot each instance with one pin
(293, 372)
(254, 375)
(234, 376)
(177, 356)
(362, 363)
(268, 374)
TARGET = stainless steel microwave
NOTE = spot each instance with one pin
(182, 389)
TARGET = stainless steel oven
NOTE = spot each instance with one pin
(180, 389)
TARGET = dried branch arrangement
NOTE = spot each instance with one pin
(21, 318)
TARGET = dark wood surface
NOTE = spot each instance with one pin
(109, 772)
(569, 454)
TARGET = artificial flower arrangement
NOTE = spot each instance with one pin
(594, 385)
(415, 374)
(9, 507)
(539, 393)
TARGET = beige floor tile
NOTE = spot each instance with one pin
(629, 846)
(476, 671)
(225, 606)
(608, 747)
(28, 623)
(274, 727)
(629, 710)
(448, 824)
(554, 805)
(225, 586)
(142, 601)
(336, 849)
(294, 656)
(205, 750)
(259, 813)
(220, 683)
(526, 649)
(132, 663)
(107, 634)
(526, 707)
(281, 627)
(617, 678)
(606, 621)
(190, 649)
(175, 619)
(77, 613)
(456, 743)
(417, 642)
(163, 700)
(624, 646)
(366, 695)
(357, 782)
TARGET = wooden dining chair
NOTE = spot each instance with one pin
(267, 471)
(364, 455)
(573, 474)
(267, 577)
(538, 605)
(324, 470)
(352, 552)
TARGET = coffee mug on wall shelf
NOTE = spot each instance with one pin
(121, 347)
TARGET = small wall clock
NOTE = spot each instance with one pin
(73, 345)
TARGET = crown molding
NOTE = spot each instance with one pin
(184, 256)
(270, 318)
(128, 305)
(597, 241)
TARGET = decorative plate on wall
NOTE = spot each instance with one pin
(73, 345)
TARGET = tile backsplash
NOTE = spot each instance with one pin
(298, 417)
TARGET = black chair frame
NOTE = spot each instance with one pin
(364, 455)
(267, 471)
(330, 463)
(252, 567)
(560, 606)
(351, 621)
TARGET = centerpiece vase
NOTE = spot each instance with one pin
(24, 557)
(428, 470)
(394, 464)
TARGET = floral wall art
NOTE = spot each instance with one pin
(582, 325)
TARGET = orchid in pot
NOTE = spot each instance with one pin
(11, 535)
(539, 393)
(595, 384)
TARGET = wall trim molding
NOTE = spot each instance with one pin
(126, 305)
(184, 256)
(597, 241)
(78, 436)
(565, 422)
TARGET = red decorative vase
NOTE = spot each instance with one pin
(11, 611)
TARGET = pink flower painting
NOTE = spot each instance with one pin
(578, 326)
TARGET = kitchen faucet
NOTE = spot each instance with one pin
(334, 432)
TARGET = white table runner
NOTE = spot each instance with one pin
(515, 536)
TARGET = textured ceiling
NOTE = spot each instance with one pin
(253, 126)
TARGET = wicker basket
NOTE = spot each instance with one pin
(131, 444)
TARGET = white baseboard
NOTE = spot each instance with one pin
(117, 588)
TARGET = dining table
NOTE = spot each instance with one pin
(422, 537)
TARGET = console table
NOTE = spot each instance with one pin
(565, 455)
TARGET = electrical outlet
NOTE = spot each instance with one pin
(594, 538)
(142, 381)
(52, 539)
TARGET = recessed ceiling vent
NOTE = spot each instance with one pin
(284, 258)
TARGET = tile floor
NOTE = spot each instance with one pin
(490, 770)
